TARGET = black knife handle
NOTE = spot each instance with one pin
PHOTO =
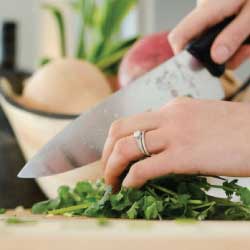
(200, 48)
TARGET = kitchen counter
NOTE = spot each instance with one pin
(13, 191)
(60, 233)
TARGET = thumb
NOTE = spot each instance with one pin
(231, 38)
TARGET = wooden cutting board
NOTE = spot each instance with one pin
(60, 233)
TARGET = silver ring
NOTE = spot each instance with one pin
(144, 144)
(140, 139)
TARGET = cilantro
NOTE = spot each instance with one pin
(45, 206)
(133, 211)
(151, 212)
(185, 221)
(15, 220)
(172, 197)
(244, 194)
(103, 222)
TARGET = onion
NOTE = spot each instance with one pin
(67, 86)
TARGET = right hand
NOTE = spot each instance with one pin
(228, 45)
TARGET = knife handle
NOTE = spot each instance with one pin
(200, 48)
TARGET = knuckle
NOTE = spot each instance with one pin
(115, 129)
(137, 172)
(121, 148)
(182, 123)
(184, 131)
(182, 107)
(175, 103)
(184, 139)
(180, 100)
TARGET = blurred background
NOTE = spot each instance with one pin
(37, 36)
(40, 95)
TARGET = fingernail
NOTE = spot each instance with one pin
(221, 54)
(126, 182)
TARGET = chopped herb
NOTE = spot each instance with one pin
(45, 206)
(103, 222)
(173, 197)
(133, 211)
(185, 221)
(15, 220)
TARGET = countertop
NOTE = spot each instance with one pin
(61, 233)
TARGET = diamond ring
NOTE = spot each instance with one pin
(140, 140)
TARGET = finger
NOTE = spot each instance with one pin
(203, 18)
(148, 169)
(165, 163)
(240, 57)
(232, 37)
(126, 127)
(126, 151)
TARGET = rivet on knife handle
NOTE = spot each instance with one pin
(201, 47)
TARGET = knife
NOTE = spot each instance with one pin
(191, 73)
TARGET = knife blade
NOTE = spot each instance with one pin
(192, 72)
(82, 141)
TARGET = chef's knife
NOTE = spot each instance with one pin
(82, 141)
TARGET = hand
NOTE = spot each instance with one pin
(185, 137)
(227, 47)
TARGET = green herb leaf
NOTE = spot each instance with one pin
(151, 212)
(171, 197)
(45, 206)
(120, 201)
(83, 188)
(103, 222)
(245, 195)
(133, 211)
(15, 221)
(44, 61)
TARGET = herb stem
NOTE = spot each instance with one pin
(68, 209)
(204, 205)
(223, 201)
(152, 193)
(195, 202)
(164, 190)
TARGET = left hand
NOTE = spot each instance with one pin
(186, 136)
